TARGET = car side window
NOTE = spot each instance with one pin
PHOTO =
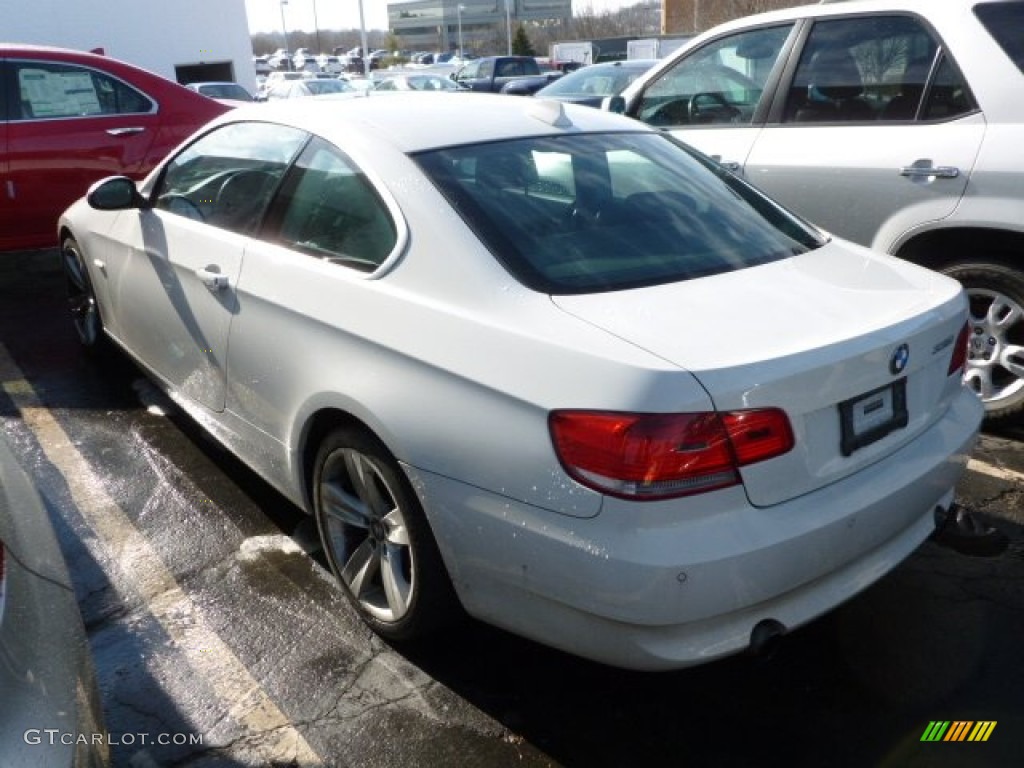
(878, 68)
(330, 210)
(1005, 22)
(721, 82)
(510, 68)
(470, 71)
(228, 177)
(49, 90)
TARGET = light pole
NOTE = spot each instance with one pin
(316, 28)
(460, 8)
(284, 32)
(362, 41)
(508, 27)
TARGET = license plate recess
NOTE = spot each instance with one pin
(871, 416)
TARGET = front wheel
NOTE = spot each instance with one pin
(995, 353)
(376, 538)
(85, 312)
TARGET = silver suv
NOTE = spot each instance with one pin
(898, 124)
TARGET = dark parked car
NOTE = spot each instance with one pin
(589, 85)
(72, 118)
(493, 73)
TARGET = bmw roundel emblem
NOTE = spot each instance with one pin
(900, 358)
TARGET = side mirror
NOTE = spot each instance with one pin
(117, 193)
(615, 104)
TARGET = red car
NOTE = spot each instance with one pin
(68, 118)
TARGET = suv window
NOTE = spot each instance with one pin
(720, 83)
(593, 213)
(331, 211)
(227, 177)
(1005, 22)
(49, 90)
(878, 68)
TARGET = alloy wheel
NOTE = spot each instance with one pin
(365, 530)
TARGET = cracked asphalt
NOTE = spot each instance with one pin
(220, 639)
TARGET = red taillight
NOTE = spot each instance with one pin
(656, 456)
(959, 359)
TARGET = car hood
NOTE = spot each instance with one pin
(803, 334)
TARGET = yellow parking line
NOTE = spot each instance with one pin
(145, 574)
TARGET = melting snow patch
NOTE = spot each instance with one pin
(254, 546)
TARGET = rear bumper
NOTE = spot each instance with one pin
(672, 584)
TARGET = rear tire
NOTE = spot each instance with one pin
(377, 540)
(995, 355)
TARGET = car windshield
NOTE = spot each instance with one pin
(225, 91)
(320, 87)
(595, 80)
(587, 213)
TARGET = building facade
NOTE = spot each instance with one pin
(435, 25)
(186, 41)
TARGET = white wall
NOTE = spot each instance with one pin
(153, 34)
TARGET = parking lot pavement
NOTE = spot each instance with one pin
(217, 631)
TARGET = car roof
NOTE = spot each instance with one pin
(441, 119)
(927, 8)
(88, 58)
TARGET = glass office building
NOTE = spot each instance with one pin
(433, 25)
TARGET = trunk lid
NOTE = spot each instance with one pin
(854, 346)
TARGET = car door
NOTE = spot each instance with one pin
(68, 126)
(174, 279)
(877, 131)
(476, 75)
(305, 278)
(716, 97)
(7, 215)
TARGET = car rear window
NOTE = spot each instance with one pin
(1005, 22)
(587, 213)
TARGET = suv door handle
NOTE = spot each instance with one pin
(212, 278)
(916, 171)
(126, 131)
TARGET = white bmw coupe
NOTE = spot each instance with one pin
(538, 361)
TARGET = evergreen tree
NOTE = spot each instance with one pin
(521, 45)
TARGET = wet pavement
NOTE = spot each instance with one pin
(220, 639)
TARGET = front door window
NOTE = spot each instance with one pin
(720, 83)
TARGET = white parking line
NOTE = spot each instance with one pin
(144, 573)
(1000, 473)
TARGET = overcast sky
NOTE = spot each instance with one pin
(265, 15)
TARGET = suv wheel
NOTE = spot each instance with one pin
(995, 355)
